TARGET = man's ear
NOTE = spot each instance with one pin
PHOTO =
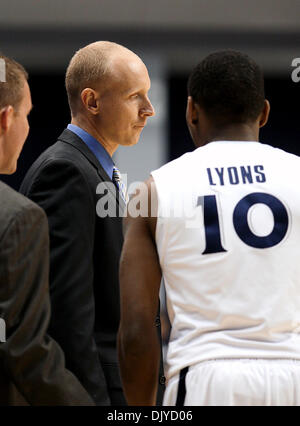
(6, 118)
(191, 112)
(90, 100)
(264, 116)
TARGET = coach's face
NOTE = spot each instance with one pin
(15, 131)
(124, 106)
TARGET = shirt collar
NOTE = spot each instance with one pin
(95, 146)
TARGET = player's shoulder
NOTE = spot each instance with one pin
(175, 164)
(190, 158)
(278, 154)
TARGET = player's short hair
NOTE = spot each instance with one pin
(87, 68)
(229, 86)
(11, 89)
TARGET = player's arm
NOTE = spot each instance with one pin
(60, 188)
(31, 359)
(140, 277)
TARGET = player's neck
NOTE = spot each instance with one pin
(232, 132)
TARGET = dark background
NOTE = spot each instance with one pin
(50, 116)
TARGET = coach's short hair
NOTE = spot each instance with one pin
(229, 86)
(11, 88)
(87, 68)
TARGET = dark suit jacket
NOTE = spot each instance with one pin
(32, 366)
(84, 262)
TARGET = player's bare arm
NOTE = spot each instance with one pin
(140, 277)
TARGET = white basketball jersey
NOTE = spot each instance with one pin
(228, 239)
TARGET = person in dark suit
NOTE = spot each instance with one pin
(32, 365)
(107, 87)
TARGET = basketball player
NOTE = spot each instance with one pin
(226, 240)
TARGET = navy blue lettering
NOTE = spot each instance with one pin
(261, 176)
(220, 174)
(233, 175)
(246, 174)
(211, 182)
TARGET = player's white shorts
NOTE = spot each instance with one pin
(236, 382)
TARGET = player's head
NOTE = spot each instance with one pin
(15, 105)
(107, 85)
(225, 89)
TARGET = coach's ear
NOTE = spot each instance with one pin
(264, 116)
(91, 100)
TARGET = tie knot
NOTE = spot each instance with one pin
(117, 178)
(116, 174)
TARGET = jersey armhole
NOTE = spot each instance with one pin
(162, 225)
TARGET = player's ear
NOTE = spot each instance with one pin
(6, 118)
(263, 119)
(191, 112)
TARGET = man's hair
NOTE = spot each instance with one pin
(87, 68)
(229, 86)
(11, 88)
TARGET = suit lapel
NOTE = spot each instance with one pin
(69, 137)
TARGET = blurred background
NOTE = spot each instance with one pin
(171, 37)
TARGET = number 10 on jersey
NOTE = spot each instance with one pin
(240, 221)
